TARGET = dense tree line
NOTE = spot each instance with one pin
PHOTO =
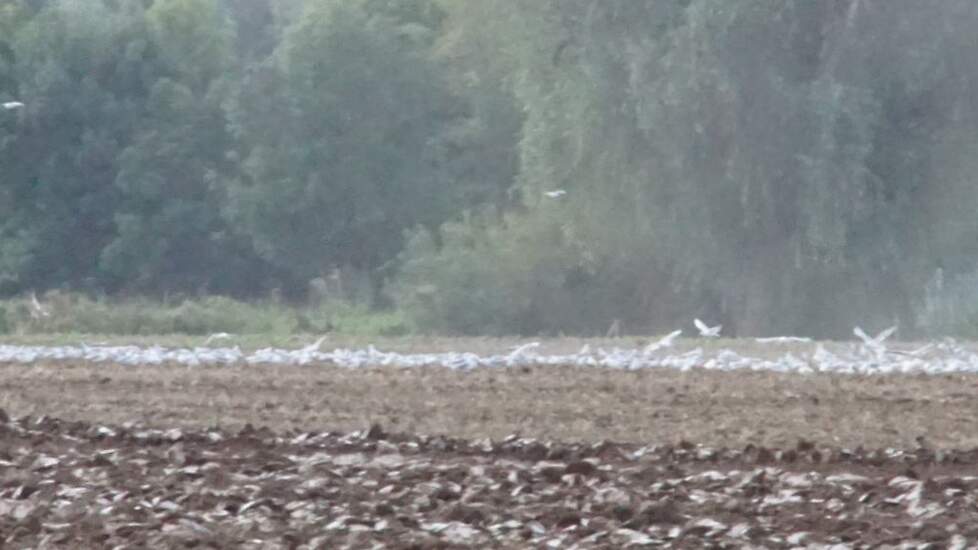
(501, 165)
(218, 146)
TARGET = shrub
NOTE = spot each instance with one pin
(532, 274)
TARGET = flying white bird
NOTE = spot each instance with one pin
(520, 350)
(313, 347)
(877, 341)
(918, 352)
(782, 340)
(11, 105)
(216, 336)
(514, 357)
(663, 342)
(555, 194)
(707, 331)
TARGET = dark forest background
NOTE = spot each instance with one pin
(501, 166)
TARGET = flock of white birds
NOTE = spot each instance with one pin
(871, 355)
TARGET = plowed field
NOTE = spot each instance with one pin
(319, 457)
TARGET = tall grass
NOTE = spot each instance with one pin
(67, 313)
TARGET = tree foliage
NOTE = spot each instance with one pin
(340, 125)
(774, 165)
(785, 163)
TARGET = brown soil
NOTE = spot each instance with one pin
(180, 457)
(565, 404)
(78, 485)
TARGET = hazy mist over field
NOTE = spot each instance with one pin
(501, 166)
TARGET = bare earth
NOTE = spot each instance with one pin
(695, 459)
(565, 404)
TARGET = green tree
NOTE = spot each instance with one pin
(338, 127)
(480, 150)
(775, 165)
(170, 231)
(78, 69)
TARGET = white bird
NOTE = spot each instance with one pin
(877, 341)
(782, 340)
(313, 347)
(663, 342)
(918, 352)
(518, 352)
(37, 310)
(555, 194)
(822, 356)
(921, 350)
(707, 331)
(11, 105)
(216, 336)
